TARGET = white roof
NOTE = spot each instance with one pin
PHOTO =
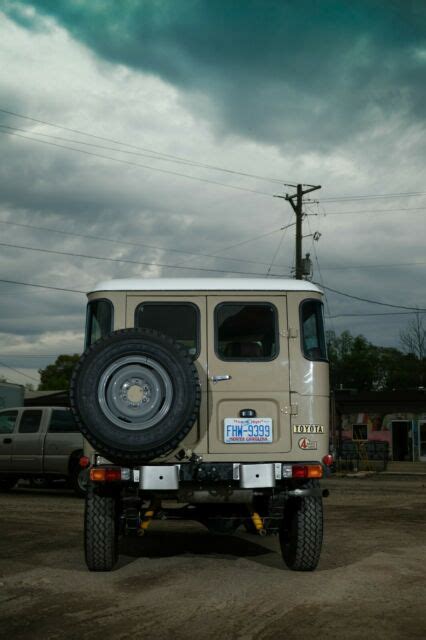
(206, 284)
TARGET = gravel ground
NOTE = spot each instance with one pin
(182, 582)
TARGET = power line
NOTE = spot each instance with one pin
(152, 155)
(377, 266)
(125, 260)
(137, 244)
(363, 315)
(276, 252)
(137, 164)
(41, 286)
(374, 197)
(238, 244)
(383, 304)
(367, 211)
(327, 302)
(6, 366)
(157, 154)
(413, 309)
(32, 355)
(260, 235)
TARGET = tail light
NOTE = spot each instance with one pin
(84, 462)
(328, 460)
(307, 471)
(105, 474)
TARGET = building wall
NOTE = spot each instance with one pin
(379, 427)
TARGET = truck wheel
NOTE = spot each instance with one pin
(301, 532)
(135, 395)
(38, 482)
(6, 484)
(100, 531)
(79, 480)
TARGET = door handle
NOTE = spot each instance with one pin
(7, 440)
(220, 378)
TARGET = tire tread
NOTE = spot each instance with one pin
(100, 531)
(301, 533)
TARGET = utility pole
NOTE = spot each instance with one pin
(296, 201)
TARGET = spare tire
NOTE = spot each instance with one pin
(135, 395)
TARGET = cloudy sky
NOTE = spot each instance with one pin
(132, 107)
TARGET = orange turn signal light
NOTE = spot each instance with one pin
(314, 471)
(105, 474)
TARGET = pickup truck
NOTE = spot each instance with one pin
(40, 444)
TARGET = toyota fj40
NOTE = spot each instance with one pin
(204, 399)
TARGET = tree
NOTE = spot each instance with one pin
(355, 363)
(413, 338)
(57, 376)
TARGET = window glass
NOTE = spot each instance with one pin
(30, 421)
(175, 319)
(99, 320)
(359, 432)
(246, 331)
(62, 422)
(313, 338)
(7, 421)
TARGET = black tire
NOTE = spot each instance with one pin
(161, 374)
(38, 482)
(79, 481)
(6, 484)
(301, 532)
(101, 522)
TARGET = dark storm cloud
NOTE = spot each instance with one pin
(273, 70)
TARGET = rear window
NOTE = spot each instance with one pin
(7, 421)
(180, 321)
(99, 320)
(62, 422)
(312, 330)
(30, 421)
(246, 331)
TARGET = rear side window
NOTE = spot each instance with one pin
(312, 330)
(30, 421)
(246, 331)
(99, 320)
(7, 421)
(62, 422)
(180, 321)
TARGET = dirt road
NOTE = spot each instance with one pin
(182, 582)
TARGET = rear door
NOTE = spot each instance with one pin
(8, 419)
(248, 375)
(184, 320)
(62, 439)
(27, 447)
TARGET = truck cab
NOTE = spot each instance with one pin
(40, 444)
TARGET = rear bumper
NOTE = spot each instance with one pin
(207, 474)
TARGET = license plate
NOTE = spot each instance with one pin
(248, 430)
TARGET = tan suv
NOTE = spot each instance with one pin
(213, 394)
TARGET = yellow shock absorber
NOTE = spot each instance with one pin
(147, 519)
(258, 523)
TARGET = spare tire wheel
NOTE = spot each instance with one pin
(135, 395)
